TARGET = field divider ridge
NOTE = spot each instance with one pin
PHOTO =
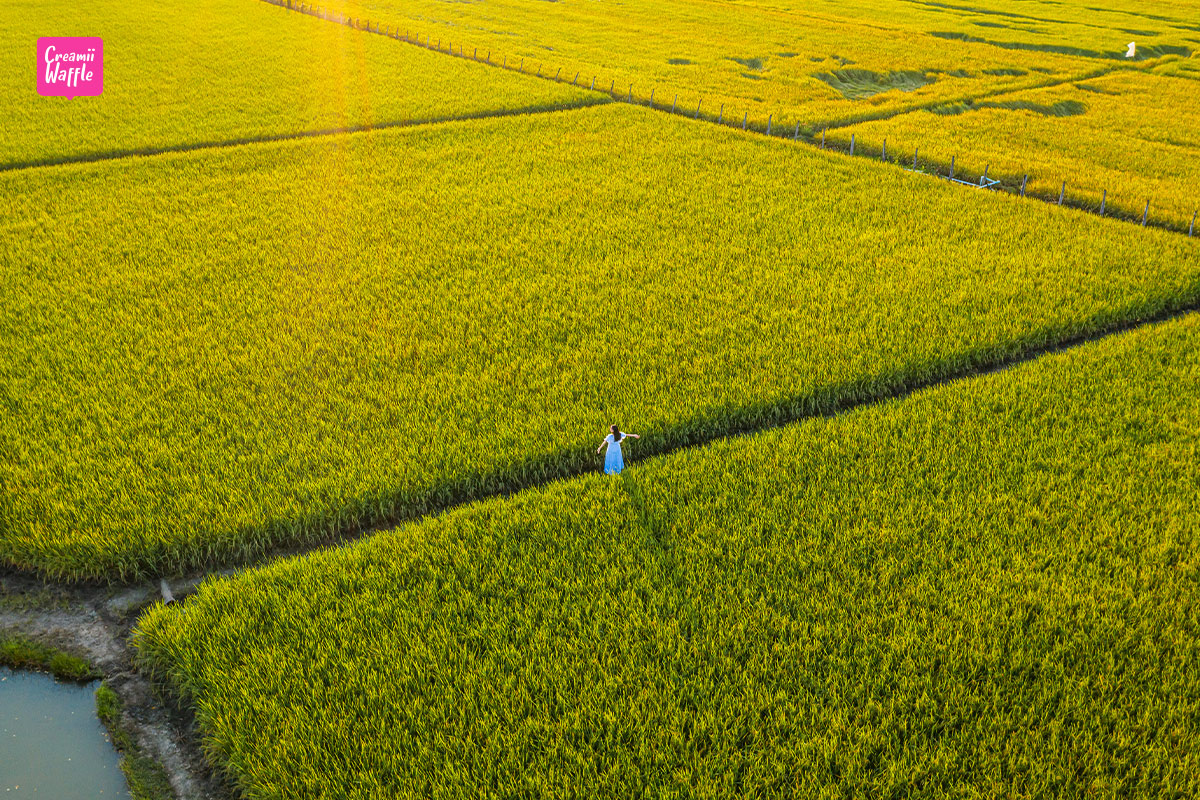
(147, 152)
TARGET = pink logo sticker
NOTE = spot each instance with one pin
(70, 66)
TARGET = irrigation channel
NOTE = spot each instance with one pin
(52, 744)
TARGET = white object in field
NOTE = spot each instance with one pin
(1132, 49)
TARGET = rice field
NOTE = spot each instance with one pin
(1119, 140)
(812, 63)
(914, 508)
(278, 344)
(987, 588)
(182, 75)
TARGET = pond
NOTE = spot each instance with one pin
(52, 744)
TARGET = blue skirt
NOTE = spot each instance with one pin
(613, 462)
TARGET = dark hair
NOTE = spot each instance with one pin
(616, 432)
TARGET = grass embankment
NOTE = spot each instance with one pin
(187, 74)
(984, 589)
(147, 778)
(1134, 134)
(20, 652)
(278, 343)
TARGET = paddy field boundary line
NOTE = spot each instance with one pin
(221, 144)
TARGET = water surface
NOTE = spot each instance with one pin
(52, 744)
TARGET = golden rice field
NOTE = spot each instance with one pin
(1130, 134)
(913, 513)
(799, 65)
(273, 344)
(813, 62)
(986, 589)
(212, 72)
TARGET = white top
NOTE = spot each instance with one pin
(611, 440)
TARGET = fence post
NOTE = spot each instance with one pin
(652, 98)
(1062, 192)
(489, 58)
(1192, 227)
(576, 79)
(852, 144)
(630, 93)
(505, 65)
(1103, 202)
(1023, 180)
(983, 180)
(593, 87)
(612, 86)
(915, 151)
(674, 103)
(556, 74)
(796, 135)
(744, 116)
(721, 114)
(1145, 213)
(823, 132)
(884, 156)
(769, 116)
(698, 107)
(475, 54)
(539, 70)
(952, 166)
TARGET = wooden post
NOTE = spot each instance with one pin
(823, 132)
(1062, 192)
(612, 86)
(539, 70)
(698, 108)
(1023, 180)
(952, 167)
(505, 65)
(721, 114)
(1145, 213)
(915, 151)
(475, 54)
(884, 156)
(769, 116)
(796, 135)
(631, 93)
(983, 180)
(576, 79)
(1192, 227)
(852, 144)
(652, 98)
(556, 74)
(744, 117)
(593, 87)
(1103, 202)
(489, 59)
(674, 103)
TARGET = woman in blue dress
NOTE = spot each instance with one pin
(613, 462)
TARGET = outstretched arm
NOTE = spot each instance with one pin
(633, 435)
